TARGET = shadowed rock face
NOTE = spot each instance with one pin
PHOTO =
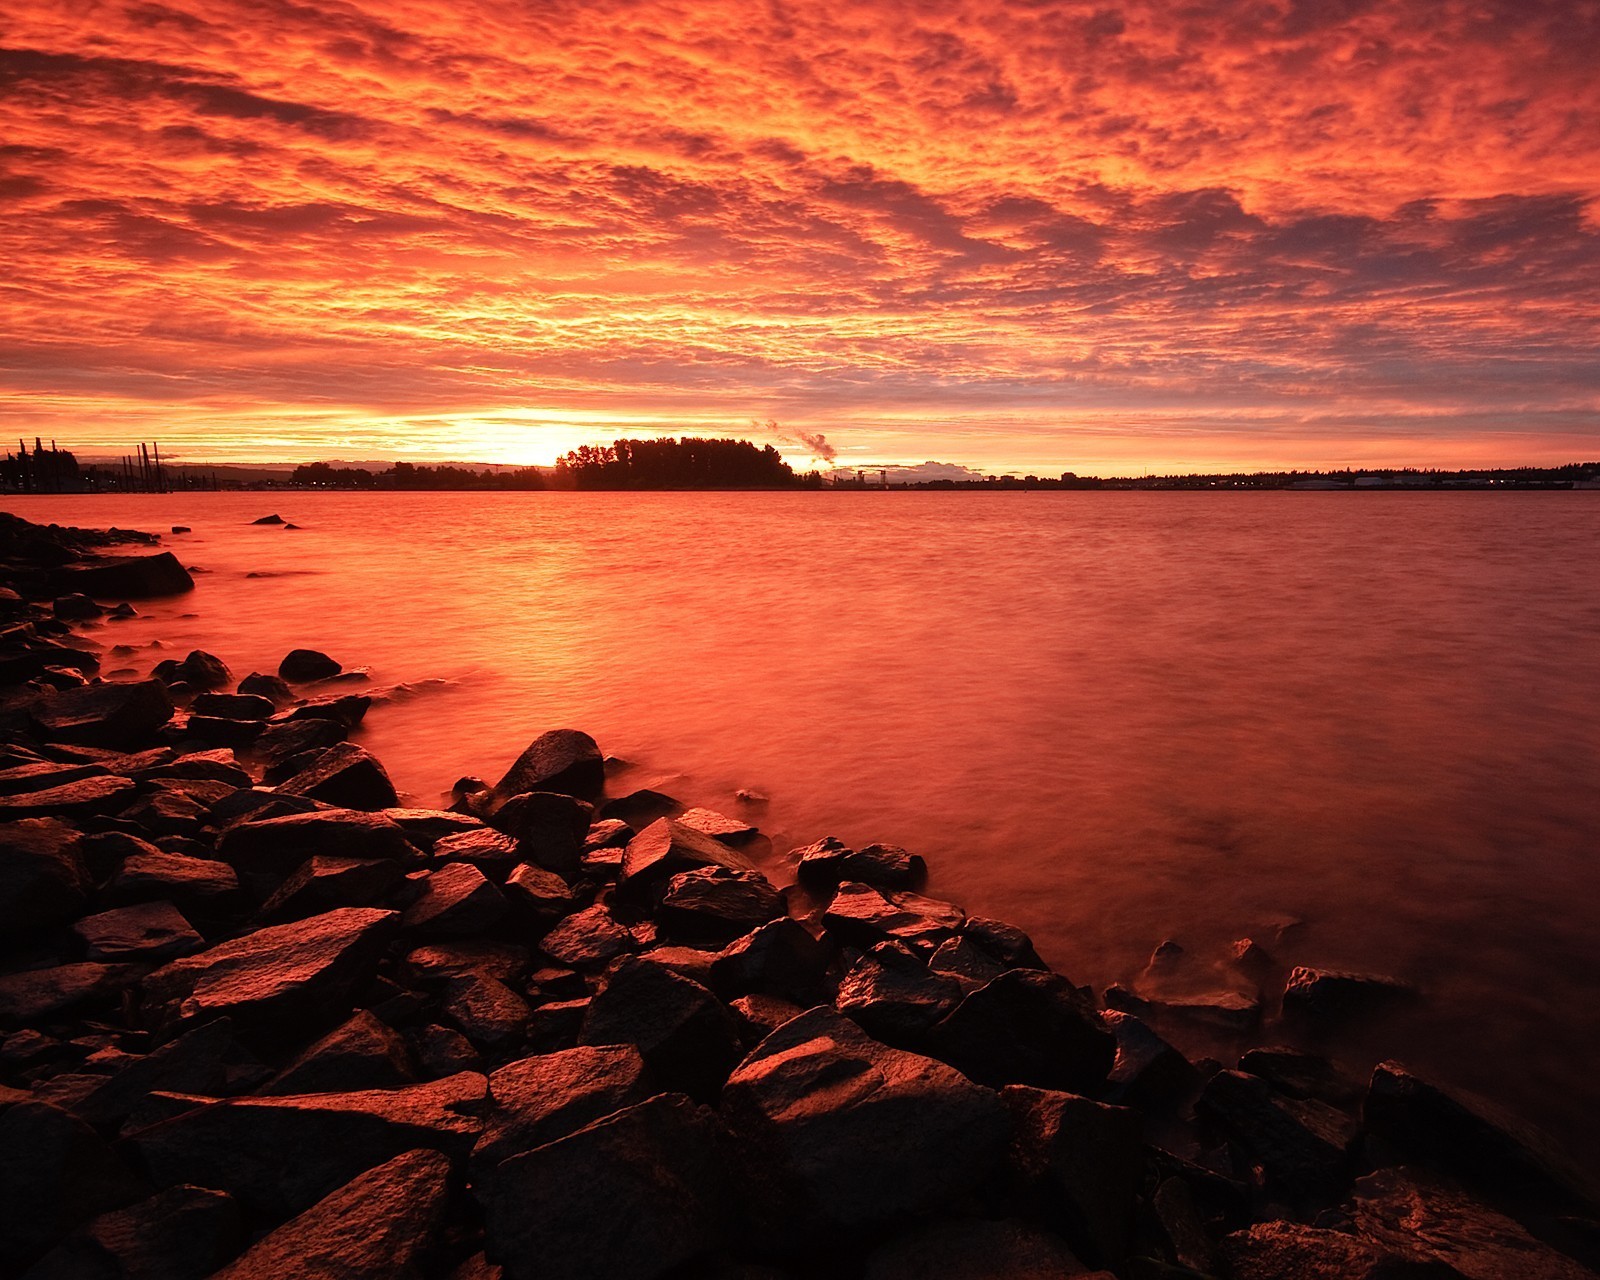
(562, 760)
(126, 577)
(43, 881)
(856, 1131)
(182, 1233)
(119, 716)
(667, 847)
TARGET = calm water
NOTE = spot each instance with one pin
(1113, 718)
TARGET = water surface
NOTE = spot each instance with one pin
(1113, 718)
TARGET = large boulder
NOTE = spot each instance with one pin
(301, 666)
(345, 775)
(378, 1226)
(688, 1037)
(85, 798)
(361, 1053)
(664, 849)
(198, 1061)
(539, 1099)
(121, 717)
(43, 881)
(781, 959)
(199, 670)
(630, 1197)
(1302, 1146)
(32, 995)
(268, 849)
(894, 997)
(147, 931)
(1027, 1026)
(549, 828)
(281, 1155)
(564, 760)
(182, 1233)
(125, 577)
(850, 1131)
(714, 904)
(587, 938)
(456, 902)
(302, 974)
(863, 917)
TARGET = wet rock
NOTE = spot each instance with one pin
(182, 1233)
(456, 902)
(76, 608)
(552, 1213)
(716, 904)
(1027, 1027)
(378, 1225)
(199, 670)
(85, 798)
(893, 996)
(851, 1131)
(125, 577)
(273, 688)
(345, 709)
(966, 963)
(1302, 1075)
(640, 808)
(778, 959)
(549, 828)
(345, 775)
(489, 1013)
(718, 826)
(1426, 1222)
(301, 974)
(277, 1156)
(607, 833)
(1007, 943)
(118, 716)
(43, 880)
(1148, 1072)
(664, 849)
(1302, 1147)
(863, 917)
(272, 519)
(1089, 1158)
(426, 827)
(232, 706)
(1472, 1140)
(884, 866)
(1234, 1012)
(322, 883)
(542, 1098)
(122, 611)
(219, 765)
(1322, 995)
(973, 1249)
(35, 994)
(542, 892)
(688, 1038)
(361, 1053)
(55, 1172)
(562, 760)
(302, 666)
(148, 931)
(586, 938)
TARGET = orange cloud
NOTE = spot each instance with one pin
(1009, 233)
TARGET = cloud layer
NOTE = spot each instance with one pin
(1011, 233)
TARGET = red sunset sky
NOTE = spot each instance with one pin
(1013, 234)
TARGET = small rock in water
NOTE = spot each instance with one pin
(181, 528)
(272, 519)
(76, 608)
(302, 666)
(1325, 994)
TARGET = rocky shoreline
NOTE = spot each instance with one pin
(258, 1019)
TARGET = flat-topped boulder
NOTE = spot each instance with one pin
(119, 716)
(198, 670)
(276, 846)
(302, 973)
(456, 902)
(664, 849)
(182, 1233)
(35, 994)
(280, 1155)
(360, 1053)
(852, 1131)
(96, 796)
(717, 905)
(379, 1224)
(148, 931)
(1302, 1146)
(563, 760)
(124, 577)
(538, 1099)
(345, 775)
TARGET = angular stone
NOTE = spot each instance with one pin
(346, 709)
(271, 848)
(640, 808)
(456, 902)
(688, 1038)
(182, 1233)
(345, 775)
(543, 892)
(270, 687)
(714, 904)
(563, 760)
(1148, 1072)
(966, 963)
(718, 826)
(851, 1131)
(119, 716)
(302, 666)
(75, 608)
(232, 706)
(199, 670)
(1302, 1147)
(540, 1099)
(195, 1062)
(278, 1156)
(863, 917)
(489, 1013)
(484, 847)
(553, 1213)
(549, 828)
(43, 880)
(1005, 942)
(125, 577)
(1089, 1157)
(378, 1225)
(585, 938)
(44, 775)
(1323, 995)
(361, 1053)
(191, 884)
(973, 1249)
(665, 848)
(55, 1172)
(778, 959)
(1302, 1075)
(148, 931)
(760, 1016)
(1289, 1251)
(323, 883)
(426, 827)
(441, 1052)
(300, 974)
(87, 797)
(1031, 1027)
(893, 996)
(219, 765)
(439, 962)
(35, 994)
(884, 866)
(282, 742)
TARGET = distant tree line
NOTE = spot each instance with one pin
(404, 475)
(689, 463)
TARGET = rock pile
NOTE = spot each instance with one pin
(258, 1019)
